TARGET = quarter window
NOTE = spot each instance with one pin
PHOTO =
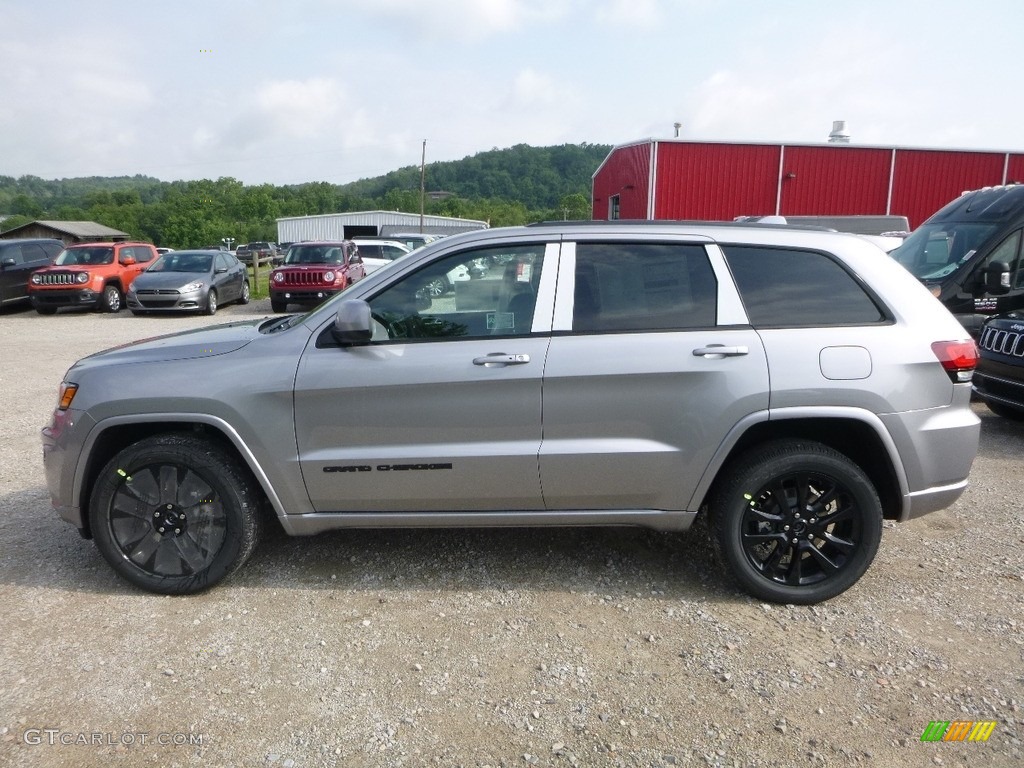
(643, 287)
(789, 288)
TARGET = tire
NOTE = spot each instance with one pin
(756, 513)
(112, 300)
(278, 306)
(211, 302)
(46, 310)
(137, 312)
(245, 295)
(186, 482)
(1005, 411)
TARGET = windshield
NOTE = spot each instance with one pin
(935, 251)
(183, 262)
(315, 254)
(85, 256)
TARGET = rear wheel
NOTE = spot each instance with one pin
(244, 297)
(795, 522)
(111, 300)
(175, 514)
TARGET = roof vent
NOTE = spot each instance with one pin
(839, 133)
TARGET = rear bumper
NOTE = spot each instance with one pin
(937, 448)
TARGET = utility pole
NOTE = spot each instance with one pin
(423, 183)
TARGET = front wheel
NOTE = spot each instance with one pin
(795, 522)
(211, 302)
(175, 514)
(46, 310)
(111, 301)
(278, 306)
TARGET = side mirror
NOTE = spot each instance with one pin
(127, 260)
(220, 270)
(997, 278)
(8, 263)
(352, 324)
(355, 258)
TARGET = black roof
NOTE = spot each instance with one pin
(987, 204)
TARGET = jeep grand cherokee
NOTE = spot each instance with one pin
(790, 385)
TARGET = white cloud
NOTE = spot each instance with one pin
(632, 13)
(461, 20)
(302, 109)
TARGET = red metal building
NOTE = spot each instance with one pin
(717, 181)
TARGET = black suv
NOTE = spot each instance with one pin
(18, 259)
(957, 249)
(999, 377)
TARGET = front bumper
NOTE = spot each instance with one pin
(303, 295)
(166, 301)
(62, 446)
(64, 297)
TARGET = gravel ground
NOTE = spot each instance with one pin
(492, 648)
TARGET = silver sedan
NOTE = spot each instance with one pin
(189, 281)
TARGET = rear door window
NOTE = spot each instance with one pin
(643, 287)
(783, 287)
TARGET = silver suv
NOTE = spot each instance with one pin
(795, 387)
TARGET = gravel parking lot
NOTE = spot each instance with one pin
(499, 648)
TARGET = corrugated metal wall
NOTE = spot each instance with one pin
(709, 181)
(925, 180)
(819, 181)
(625, 172)
(720, 181)
(331, 226)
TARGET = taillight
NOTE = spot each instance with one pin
(958, 358)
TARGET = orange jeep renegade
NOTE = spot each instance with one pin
(89, 275)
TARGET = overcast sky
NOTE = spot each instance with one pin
(337, 90)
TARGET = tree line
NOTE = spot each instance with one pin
(503, 187)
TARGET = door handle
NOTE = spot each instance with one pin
(496, 359)
(718, 351)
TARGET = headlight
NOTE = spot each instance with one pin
(279, 277)
(37, 279)
(192, 287)
(328, 277)
(82, 277)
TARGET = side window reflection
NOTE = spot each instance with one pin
(473, 294)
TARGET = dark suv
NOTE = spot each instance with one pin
(18, 260)
(999, 378)
(957, 248)
(261, 250)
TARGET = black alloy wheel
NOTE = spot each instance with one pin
(175, 513)
(796, 522)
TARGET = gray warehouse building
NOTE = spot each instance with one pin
(338, 226)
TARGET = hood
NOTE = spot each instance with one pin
(168, 280)
(201, 342)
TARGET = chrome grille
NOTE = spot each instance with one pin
(1010, 343)
(57, 278)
